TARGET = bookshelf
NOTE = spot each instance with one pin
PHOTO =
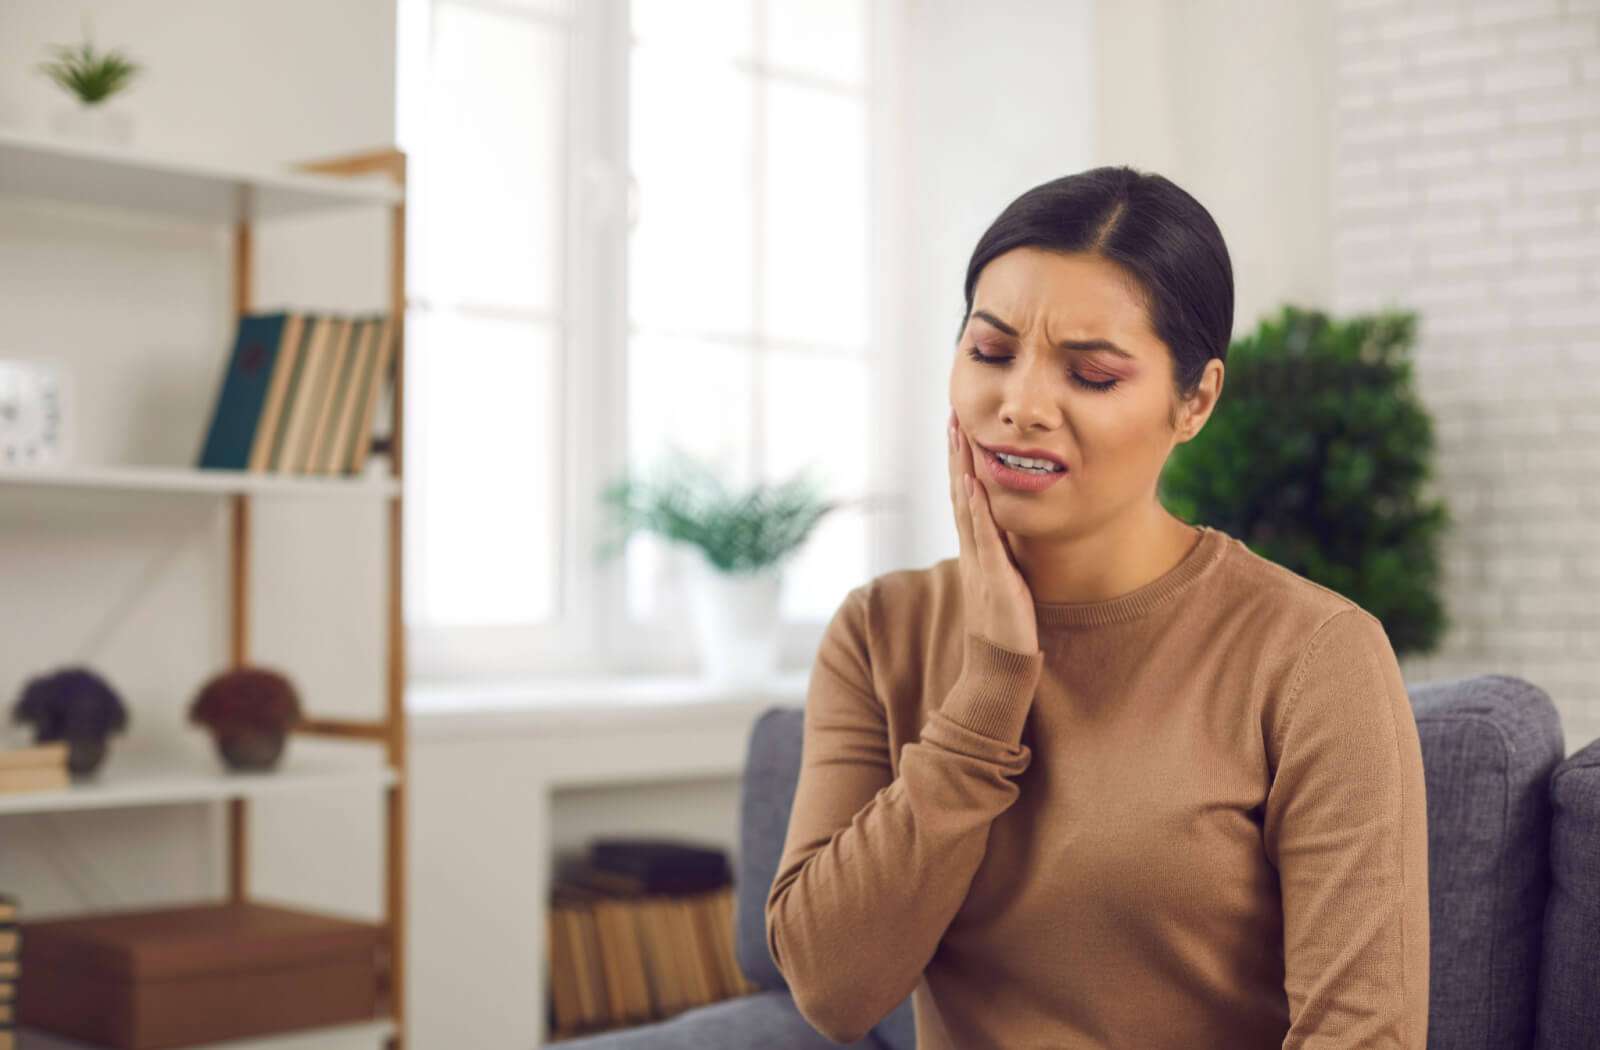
(348, 754)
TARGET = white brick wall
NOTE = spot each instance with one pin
(1467, 187)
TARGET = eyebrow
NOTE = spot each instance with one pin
(1065, 344)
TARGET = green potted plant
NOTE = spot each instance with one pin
(92, 78)
(741, 540)
(77, 706)
(249, 711)
(1317, 457)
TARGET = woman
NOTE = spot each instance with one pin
(1105, 779)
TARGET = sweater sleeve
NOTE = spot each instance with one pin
(1346, 827)
(875, 866)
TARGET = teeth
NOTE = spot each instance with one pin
(1041, 466)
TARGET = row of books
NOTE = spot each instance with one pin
(619, 959)
(42, 767)
(302, 394)
(10, 970)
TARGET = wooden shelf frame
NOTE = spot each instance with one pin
(391, 729)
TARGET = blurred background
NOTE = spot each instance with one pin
(736, 229)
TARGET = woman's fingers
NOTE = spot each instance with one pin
(991, 546)
(958, 490)
(982, 535)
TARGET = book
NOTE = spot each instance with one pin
(591, 972)
(338, 373)
(246, 384)
(377, 395)
(10, 941)
(265, 440)
(295, 371)
(363, 347)
(313, 394)
(663, 866)
(565, 1008)
(666, 994)
(719, 910)
(34, 778)
(706, 945)
(686, 951)
(297, 421)
(49, 755)
(625, 962)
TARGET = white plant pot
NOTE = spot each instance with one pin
(735, 622)
(100, 123)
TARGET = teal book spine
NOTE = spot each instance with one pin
(243, 392)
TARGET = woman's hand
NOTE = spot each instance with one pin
(996, 600)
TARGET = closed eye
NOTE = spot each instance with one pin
(1076, 378)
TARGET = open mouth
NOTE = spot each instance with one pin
(1045, 464)
(1020, 477)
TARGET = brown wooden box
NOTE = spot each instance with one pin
(153, 980)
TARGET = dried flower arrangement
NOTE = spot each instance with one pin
(250, 710)
(75, 705)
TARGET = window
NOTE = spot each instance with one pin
(633, 228)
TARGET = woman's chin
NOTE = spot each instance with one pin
(1025, 516)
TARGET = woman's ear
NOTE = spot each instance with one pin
(1193, 412)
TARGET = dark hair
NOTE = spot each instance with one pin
(1159, 234)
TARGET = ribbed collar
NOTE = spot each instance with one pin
(1210, 547)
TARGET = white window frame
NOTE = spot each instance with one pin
(591, 635)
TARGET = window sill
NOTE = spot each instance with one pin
(594, 705)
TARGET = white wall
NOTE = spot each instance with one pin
(141, 308)
(993, 100)
(1231, 100)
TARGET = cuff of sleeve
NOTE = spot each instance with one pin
(994, 692)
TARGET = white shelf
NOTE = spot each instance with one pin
(367, 1035)
(131, 783)
(88, 173)
(192, 479)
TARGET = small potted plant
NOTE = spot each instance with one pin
(92, 78)
(249, 711)
(741, 540)
(75, 705)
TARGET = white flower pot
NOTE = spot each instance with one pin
(735, 622)
(100, 123)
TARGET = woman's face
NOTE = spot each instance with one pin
(1079, 373)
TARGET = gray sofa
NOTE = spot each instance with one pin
(1514, 878)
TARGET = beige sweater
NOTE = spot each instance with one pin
(1194, 819)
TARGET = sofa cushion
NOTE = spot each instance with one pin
(766, 797)
(1489, 745)
(1569, 982)
(763, 1021)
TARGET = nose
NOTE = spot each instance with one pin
(1028, 402)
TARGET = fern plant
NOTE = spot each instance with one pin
(92, 76)
(1315, 457)
(685, 501)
